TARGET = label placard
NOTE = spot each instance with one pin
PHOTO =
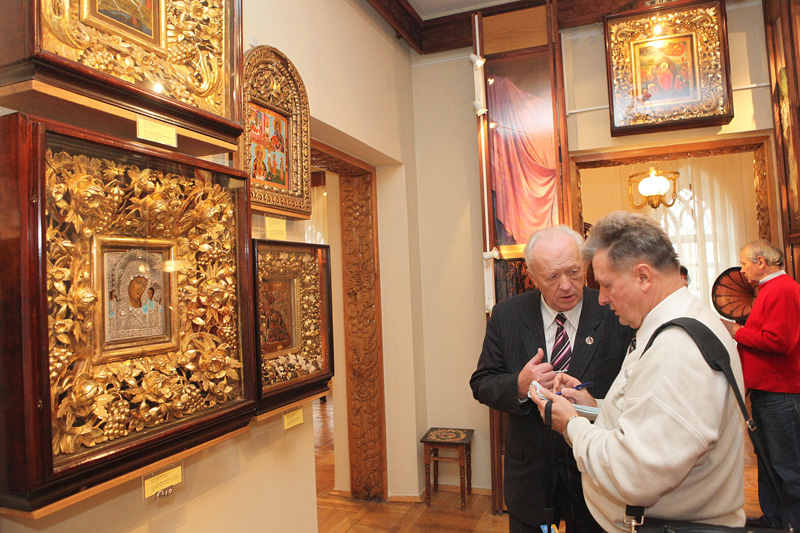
(155, 131)
(293, 418)
(161, 481)
(276, 229)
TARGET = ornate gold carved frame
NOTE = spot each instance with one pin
(274, 93)
(668, 68)
(171, 48)
(293, 315)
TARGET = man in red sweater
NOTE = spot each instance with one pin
(769, 345)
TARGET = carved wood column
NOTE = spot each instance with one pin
(363, 330)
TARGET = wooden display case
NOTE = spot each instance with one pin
(293, 320)
(161, 59)
(126, 292)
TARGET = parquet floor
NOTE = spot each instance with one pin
(338, 514)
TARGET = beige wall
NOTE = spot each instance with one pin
(450, 249)
(254, 482)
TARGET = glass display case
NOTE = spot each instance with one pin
(126, 288)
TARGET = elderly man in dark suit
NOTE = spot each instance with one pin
(558, 327)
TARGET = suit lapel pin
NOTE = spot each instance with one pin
(589, 340)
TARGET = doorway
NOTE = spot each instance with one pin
(719, 181)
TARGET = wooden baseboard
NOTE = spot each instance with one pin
(407, 499)
(457, 488)
(442, 488)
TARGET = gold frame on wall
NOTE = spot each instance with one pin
(187, 58)
(293, 318)
(273, 85)
(668, 68)
(101, 200)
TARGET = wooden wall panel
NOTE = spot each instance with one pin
(516, 30)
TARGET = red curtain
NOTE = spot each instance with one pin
(523, 160)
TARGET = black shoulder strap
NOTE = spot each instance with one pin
(713, 351)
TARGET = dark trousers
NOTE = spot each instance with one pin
(777, 416)
(569, 505)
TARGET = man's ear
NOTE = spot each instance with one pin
(530, 277)
(762, 263)
(643, 273)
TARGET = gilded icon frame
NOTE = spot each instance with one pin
(294, 336)
(668, 68)
(274, 88)
(168, 50)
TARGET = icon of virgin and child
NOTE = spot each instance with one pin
(135, 291)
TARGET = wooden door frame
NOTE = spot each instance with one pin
(767, 200)
(366, 421)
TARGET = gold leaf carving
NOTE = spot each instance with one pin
(189, 62)
(699, 22)
(91, 403)
(271, 80)
(306, 357)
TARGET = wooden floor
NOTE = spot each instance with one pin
(340, 514)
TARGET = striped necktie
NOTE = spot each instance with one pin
(562, 352)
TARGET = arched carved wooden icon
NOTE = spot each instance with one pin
(275, 147)
(732, 295)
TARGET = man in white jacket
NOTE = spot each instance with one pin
(669, 436)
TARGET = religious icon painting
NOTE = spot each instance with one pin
(268, 146)
(137, 312)
(293, 315)
(276, 146)
(668, 68)
(141, 21)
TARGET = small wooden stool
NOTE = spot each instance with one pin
(448, 438)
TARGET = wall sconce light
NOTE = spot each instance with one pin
(479, 109)
(653, 186)
(477, 60)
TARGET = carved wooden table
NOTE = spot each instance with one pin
(448, 439)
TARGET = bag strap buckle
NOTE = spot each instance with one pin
(634, 516)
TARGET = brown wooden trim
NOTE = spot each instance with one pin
(403, 18)
(363, 326)
(667, 153)
(438, 34)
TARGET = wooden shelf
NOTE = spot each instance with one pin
(45, 100)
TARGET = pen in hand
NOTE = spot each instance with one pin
(580, 386)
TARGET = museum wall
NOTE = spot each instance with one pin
(587, 89)
(450, 249)
(358, 78)
(257, 481)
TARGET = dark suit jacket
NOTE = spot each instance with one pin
(513, 335)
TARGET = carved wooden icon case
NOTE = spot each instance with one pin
(126, 291)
